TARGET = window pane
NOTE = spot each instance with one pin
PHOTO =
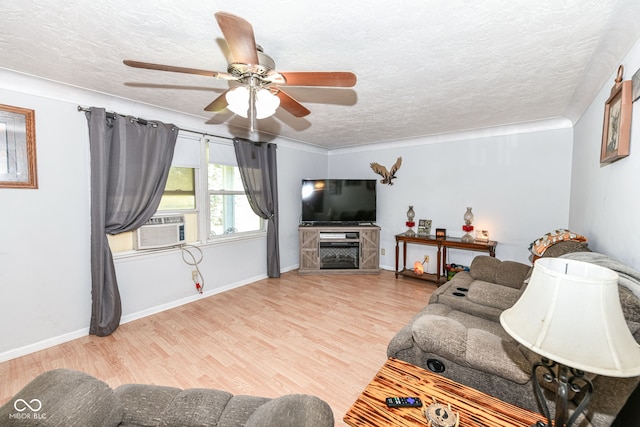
(229, 207)
(223, 177)
(180, 179)
(231, 213)
(179, 193)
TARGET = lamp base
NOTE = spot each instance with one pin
(565, 383)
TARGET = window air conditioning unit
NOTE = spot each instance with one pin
(159, 232)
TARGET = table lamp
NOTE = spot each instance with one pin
(570, 314)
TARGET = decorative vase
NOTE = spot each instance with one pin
(410, 223)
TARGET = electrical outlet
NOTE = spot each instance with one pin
(194, 275)
(426, 259)
(382, 251)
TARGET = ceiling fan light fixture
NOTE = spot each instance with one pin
(266, 102)
(238, 100)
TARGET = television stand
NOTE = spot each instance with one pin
(339, 249)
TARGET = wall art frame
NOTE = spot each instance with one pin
(616, 130)
(17, 148)
(424, 227)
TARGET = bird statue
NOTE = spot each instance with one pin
(387, 176)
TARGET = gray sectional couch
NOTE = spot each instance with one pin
(458, 335)
(67, 398)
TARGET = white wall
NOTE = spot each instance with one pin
(516, 183)
(45, 280)
(45, 286)
(604, 200)
(294, 164)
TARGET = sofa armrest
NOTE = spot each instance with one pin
(63, 397)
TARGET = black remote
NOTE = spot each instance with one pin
(403, 402)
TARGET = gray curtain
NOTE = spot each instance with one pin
(130, 162)
(258, 169)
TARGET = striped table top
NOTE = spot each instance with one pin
(397, 378)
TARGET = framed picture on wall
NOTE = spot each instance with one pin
(616, 130)
(17, 148)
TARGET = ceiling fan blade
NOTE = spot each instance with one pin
(320, 78)
(161, 67)
(239, 36)
(291, 105)
(218, 104)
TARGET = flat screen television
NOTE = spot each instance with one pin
(338, 201)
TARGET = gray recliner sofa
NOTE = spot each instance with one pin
(458, 335)
(67, 398)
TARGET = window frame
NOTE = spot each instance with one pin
(222, 192)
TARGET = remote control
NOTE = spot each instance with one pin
(403, 402)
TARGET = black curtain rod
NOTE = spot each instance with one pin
(144, 122)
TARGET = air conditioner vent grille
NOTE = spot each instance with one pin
(160, 231)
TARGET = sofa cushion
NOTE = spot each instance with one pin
(477, 297)
(484, 267)
(63, 398)
(144, 404)
(489, 353)
(293, 410)
(471, 341)
(512, 274)
(492, 295)
(195, 407)
(442, 335)
(630, 304)
(239, 409)
(565, 247)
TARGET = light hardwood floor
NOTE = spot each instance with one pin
(317, 334)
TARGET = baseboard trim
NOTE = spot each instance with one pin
(42, 345)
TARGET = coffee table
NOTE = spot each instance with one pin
(398, 378)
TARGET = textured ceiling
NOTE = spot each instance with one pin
(423, 67)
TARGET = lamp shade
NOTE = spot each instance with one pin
(266, 104)
(238, 101)
(570, 313)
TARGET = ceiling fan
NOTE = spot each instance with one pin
(258, 90)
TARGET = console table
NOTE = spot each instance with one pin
(398, 378)
(442, 243)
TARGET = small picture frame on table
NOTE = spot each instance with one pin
(482, 235)
(424, 227)
(441, 233)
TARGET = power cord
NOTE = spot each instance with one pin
(196, 275)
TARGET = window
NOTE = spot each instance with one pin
(180, 191)
(204, 185)
(229, 209)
